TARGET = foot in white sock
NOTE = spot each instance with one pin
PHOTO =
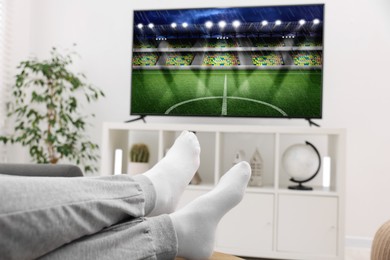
(173, 173)
(196, 223)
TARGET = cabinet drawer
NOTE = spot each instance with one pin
(307, 224)
(247, 229)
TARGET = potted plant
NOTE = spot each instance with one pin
(46, 105)
(139, 159)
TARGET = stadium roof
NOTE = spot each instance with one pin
(246, 29)
(253, 20)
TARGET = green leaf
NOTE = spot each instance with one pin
(46, 111)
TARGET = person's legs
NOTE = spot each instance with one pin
(141, 238)
(38, 214)
(188, 233)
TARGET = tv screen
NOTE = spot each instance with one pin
(264, 61)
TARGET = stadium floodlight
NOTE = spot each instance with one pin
(278, 22)
(316, 21)
(236, 23)
(264, 23)
(208, 24)
(222, 24)
(140, 26)
(151, 25)
(302, 22)
(185, 25)
(173, 25)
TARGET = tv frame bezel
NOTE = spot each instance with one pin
(143, 115)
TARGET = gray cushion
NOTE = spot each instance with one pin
(50, 170)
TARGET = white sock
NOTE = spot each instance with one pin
(173, 173)
(196, 223)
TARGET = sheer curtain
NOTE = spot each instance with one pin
(4, 89)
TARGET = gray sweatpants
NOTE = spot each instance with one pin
(82, 218)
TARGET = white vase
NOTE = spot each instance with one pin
(134, 168)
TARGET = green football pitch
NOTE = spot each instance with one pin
(265, 93)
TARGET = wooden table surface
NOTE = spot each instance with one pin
(219, 256)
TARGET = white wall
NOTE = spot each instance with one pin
(356, 88)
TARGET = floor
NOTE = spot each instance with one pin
(357, 253)
(350, 254)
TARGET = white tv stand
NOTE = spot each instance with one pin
(271, 221)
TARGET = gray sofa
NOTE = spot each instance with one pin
(48, 170)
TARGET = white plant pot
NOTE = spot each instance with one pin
(134, 168)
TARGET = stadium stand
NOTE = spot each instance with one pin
(307, 58)
(179, 43)
(307, 54)
(309, 42)
(267, 42)
(220, 43)
(179, 59)
(145, 44)
(266, 59)
(145, 59)
(220, 59)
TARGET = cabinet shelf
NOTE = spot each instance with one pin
(271, 211)
(322, 191)
(262, 189)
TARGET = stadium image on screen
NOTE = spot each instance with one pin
(232, 62)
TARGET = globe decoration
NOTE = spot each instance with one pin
(302, 162)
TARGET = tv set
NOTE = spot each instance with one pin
(257, 61)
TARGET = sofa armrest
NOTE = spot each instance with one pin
(48, 170)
